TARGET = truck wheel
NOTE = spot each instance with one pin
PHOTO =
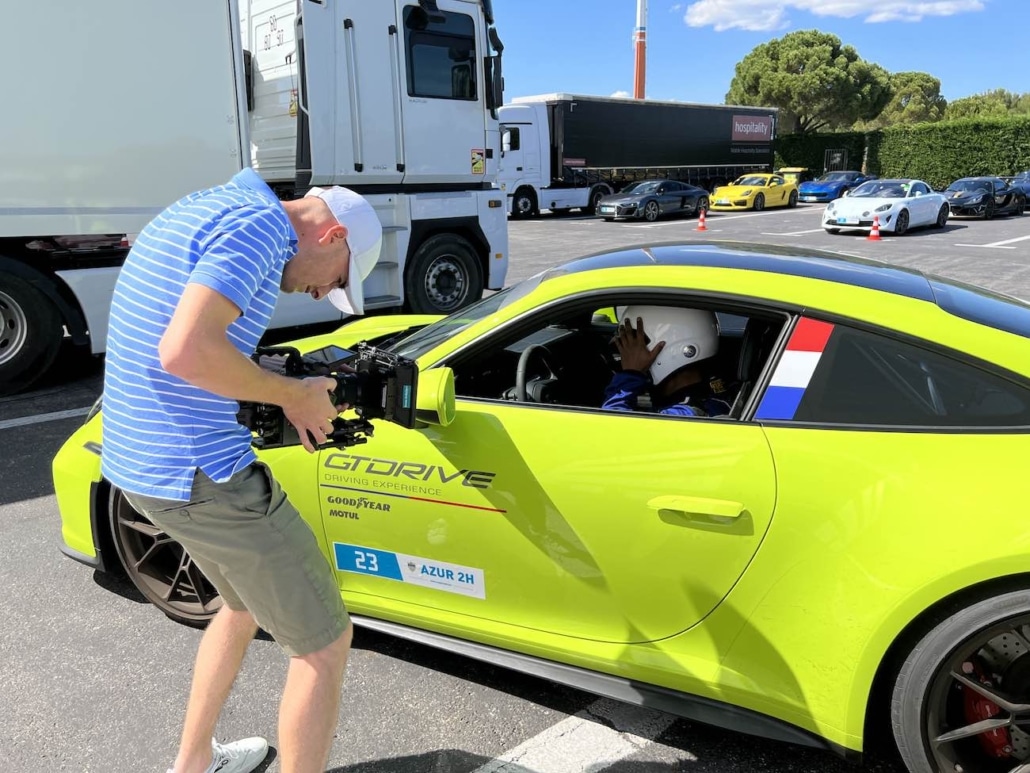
(523, 204)
(30, 334)
(444, 276)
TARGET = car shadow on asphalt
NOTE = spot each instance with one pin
(713, 748)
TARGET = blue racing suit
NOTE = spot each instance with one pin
(627, 385)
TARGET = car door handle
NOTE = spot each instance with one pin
(698, 506)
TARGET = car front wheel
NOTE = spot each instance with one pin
(651, 211)
(961, 700)
(160, 567)
(759, 204)
(901, 224)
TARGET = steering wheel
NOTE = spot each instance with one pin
(531, 352)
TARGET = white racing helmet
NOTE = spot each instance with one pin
(690, 335)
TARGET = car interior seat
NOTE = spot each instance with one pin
(755, 347)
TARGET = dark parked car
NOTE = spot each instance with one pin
(831, 185)
(650, 199)
(984, 197)
(1021, 181)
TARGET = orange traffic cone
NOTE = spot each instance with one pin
(701, 221)
(874, 233)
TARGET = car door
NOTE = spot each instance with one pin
(667, 196)
(602, 525)
(778, 190)
(922, 206)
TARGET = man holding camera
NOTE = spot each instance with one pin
(193, 299)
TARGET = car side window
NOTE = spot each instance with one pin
(842, 375)
(566, 358)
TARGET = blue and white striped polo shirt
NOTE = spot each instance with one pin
(158, 429)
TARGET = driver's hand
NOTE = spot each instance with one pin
(632, 346)
(312, 411)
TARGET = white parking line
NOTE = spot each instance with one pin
(998, 245)
(602, 734)
(794, 233)
(41, 418)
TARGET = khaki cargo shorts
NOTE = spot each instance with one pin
(260, 555)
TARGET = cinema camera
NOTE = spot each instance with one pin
(376, 384)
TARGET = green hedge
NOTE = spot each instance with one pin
(936, 152)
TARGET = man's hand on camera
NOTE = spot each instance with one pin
(632, 346)
(312, 411)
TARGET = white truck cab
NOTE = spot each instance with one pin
(396, 99)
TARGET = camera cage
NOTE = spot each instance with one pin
(375, 384)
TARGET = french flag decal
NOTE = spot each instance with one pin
(794, 370)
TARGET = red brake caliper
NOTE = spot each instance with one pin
(977, 708)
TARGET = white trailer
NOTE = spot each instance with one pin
(130, 106)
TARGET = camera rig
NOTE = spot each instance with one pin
(374, 383)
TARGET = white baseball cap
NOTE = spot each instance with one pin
(364, 239)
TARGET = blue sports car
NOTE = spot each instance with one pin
(831, 185)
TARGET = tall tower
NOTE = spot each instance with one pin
(640, 49)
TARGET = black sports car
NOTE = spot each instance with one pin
(984, 197)
(650, 199)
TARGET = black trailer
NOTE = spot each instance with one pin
(617, 141)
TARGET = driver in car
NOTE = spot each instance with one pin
(675, 370)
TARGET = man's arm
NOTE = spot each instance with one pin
(196, 348)
(623, 390)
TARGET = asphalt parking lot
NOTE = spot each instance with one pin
(94, 679)
(995, 254)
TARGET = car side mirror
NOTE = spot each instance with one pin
(434, 402)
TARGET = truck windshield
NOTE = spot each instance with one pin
(424, 339)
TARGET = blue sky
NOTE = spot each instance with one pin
(586, 46)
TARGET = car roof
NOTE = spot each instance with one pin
(968, 302)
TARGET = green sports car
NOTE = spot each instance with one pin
(838, 553)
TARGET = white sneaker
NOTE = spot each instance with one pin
(237, 757)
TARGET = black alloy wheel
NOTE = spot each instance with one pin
(961, 701)
(159, 567)
(901, 223)
(942, 216)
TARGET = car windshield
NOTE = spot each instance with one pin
(421, 341)
(830, 177)
(752, 180)
(968, 186)
(882, 189)
(644, 187)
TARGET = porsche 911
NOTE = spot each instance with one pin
(839, 553)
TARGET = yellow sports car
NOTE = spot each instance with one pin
(841, 551)
(755, 191)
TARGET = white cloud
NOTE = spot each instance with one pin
(621, 94)
(764, 15)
